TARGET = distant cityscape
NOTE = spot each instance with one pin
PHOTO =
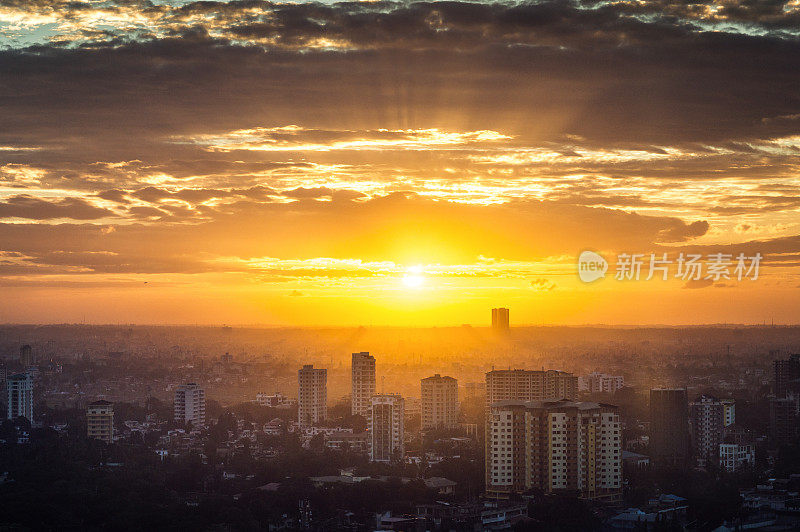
(499, 453)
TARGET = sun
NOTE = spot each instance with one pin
(413, 281)
(414, 277)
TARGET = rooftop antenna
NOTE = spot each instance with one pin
(383, 384)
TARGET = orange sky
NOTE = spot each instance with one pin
(408, 164)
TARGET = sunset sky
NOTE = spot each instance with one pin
(393, 163)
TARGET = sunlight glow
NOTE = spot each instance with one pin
(413, 281)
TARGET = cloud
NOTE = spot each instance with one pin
(698, 283)
(394, 132)
(541, 284)
(681, 232)
(117, 196)
(24, 206)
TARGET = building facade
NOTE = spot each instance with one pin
(25, 356)
(190, 404)
(275, 400)
(19, 392)
(528, 385)
(500, 319)
(783, 419)
(735, 457)
(707, 418)
(669, 428)
(600, 383)
(312, 396)
(386, 428)
(439, 402)
(729, 412)
(787, 375)
(363, 383)
(554, 446)
(100, 421)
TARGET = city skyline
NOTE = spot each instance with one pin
(208, 410)
(447, 265)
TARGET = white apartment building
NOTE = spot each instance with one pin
(386, 428)
(600, 383)
(552, 446)
(312, 397)
(439, 402)
(19, 388)
(363, 383)
(190, 404)
(707, 418)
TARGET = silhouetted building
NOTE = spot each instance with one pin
(439, 402)
(500, 319)
(363, 383)
(787, 376)
(312, 396)
(669, 428)
(25, 356)
(386, 428)
(707, 417)
(783, 420)
(19, 390)
(190, 404)
(100, 421)
(554, 446)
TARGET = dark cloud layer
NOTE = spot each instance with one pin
(23, 206)
(114, 119)
(598, 73)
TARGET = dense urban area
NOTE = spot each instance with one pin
(463, 428)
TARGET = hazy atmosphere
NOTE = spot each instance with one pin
(389, 163)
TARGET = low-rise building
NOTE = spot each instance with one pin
(735, 457)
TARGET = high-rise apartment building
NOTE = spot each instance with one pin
(312, 397)
(600, 382)
(100, 421)
(787, 376)
(439, 402)
(500, 319)
(784, 419)
(669, 428)
(527, 385)
(363, 383)
(190, 404)
(707, 418)
(25, 356)
(554, 446)
(386, 428)
(19, 391)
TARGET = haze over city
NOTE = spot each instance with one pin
(412, 266)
